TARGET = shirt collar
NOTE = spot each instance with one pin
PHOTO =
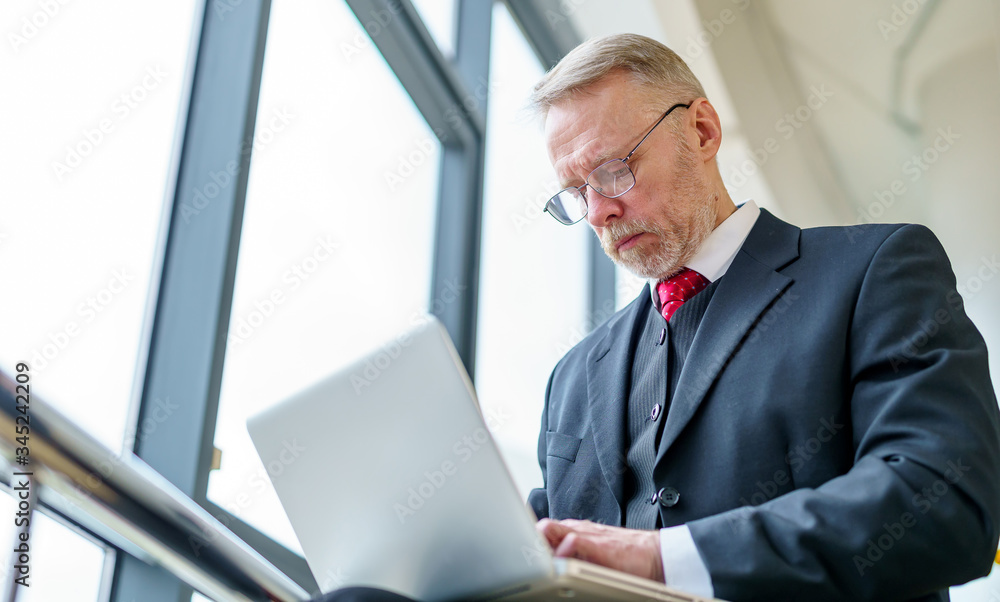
(718, 251)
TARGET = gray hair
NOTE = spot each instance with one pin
(651, 64)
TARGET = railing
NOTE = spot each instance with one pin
(130, 506)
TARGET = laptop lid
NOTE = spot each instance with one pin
(398, 483)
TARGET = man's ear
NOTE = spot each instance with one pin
(708, 128)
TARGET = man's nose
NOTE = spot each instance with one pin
(602, 210)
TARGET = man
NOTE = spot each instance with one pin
(781, 413)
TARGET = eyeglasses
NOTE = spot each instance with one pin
(610, 179)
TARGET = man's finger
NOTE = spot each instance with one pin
(585, 526)
(568, 547)
(575, 545)
(552, 531)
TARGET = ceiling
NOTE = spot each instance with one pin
(857, 70)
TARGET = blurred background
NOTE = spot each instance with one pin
(208, 205)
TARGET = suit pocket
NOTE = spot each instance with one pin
(561, 446)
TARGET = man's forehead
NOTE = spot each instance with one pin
(579, 137)
(575, 159)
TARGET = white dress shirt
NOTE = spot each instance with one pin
(717, 253)
(683, 567)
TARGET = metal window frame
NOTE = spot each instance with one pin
(193, 293)
(452, 97)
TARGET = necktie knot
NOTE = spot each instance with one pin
(673, 292)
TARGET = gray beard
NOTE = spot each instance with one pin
(674, 249)
(677, 243)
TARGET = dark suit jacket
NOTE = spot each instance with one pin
(834, 434)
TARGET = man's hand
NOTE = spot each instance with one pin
(629, 550)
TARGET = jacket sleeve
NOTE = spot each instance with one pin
(538, 499)
(918, 510)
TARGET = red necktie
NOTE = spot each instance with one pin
(675, 291)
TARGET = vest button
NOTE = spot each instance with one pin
(655, 413)
(668, 497)
(663, 336)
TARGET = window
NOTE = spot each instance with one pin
(81, 199)
(533, 294)
(627, 287)
(338, 233)
(81, 194)
(440, 17)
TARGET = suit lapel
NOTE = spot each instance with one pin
(608, 376)
(750, 285)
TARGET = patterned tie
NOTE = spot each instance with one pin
(675, 291)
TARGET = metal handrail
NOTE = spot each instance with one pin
(129, 505)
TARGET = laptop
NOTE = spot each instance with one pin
(396, 483)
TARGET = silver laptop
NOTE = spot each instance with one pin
(400, 486)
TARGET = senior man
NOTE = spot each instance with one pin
(782, 413)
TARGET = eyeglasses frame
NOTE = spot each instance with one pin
(624, 161)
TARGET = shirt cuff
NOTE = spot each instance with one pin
(683, 567)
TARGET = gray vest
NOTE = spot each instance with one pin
(658, 358)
